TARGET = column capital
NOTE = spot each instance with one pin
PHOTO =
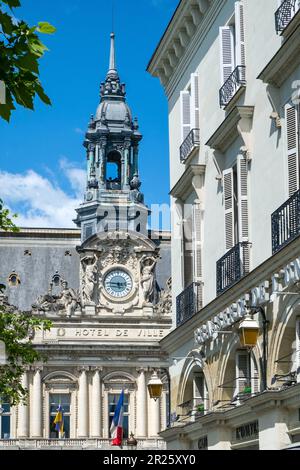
(97, 369)
(83, 369)
(36, 369)
(142, 369)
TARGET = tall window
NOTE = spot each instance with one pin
(112, 404)
(247, 378)
(232, 43)
(292, 120)
(63, 400)
(235, 183)
(5, 420)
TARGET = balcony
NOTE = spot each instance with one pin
(191, 142)
(235, 82)
(76, 444)
(188, 303)
(193, 408)
(285, 14)
(286, 222)
(232, 267)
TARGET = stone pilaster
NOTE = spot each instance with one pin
(83, 417)
(23, 413)
(141, 405)
(37, 402)
(96, 404)
(154, 417)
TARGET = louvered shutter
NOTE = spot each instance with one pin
(195, 105)
(188, 252)
(242, 171)
(298, 349)
(185, 100)
(254, 377)
(240, 50)
(292, 141)
(197, 242)
(242, 371)
(229, 208)
(226, 52)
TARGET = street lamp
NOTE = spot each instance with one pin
(248, 333)
(155, 388)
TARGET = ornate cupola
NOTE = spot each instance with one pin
(113, 200)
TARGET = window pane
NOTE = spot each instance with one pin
(5, 427)
(113, 401)
(125, 426)
(5, 407)
(54, 434)
(60, 399)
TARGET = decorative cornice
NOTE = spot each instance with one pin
(284, 62)
(184, 184)
(185, 32)
(229, 131)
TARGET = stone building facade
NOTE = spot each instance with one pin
(106, 288)
(230, 70)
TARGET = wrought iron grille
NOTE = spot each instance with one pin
(191, 141)
(188, 303)
(286, 222)
(232, 84)
(232, 266)
(285, 13)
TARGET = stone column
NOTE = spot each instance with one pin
(154, 418)
(141, 405)
(37, 404)
(102, 163)
(126, 165)
(23, 413)
(83, 404)
(135, 160)
(91, 161)
(96, 405)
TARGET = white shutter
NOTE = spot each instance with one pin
(188, 251)
(185, 101)
(229, 208)
(226, 52)
(292, 141)
(195, 105)
(197, 243)
(240, 34)
(254, 377)
(242, 371)
(298, 349)
(242, 170)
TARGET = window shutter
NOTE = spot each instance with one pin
(185, 100)
(292, 140)
(188, 252)
(227, 52)
(229, 208)
(240, 36)
(298, 349)
(195, 106)
(242, 371)
(254, 377)
(197, 243)
(243, 198)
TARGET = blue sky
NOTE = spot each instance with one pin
(42, 160)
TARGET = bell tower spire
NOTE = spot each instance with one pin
(113, 200)
(112, 58)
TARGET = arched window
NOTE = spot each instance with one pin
(14, 279)
(195, 398)
(113, 170)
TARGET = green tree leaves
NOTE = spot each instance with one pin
(20, 52)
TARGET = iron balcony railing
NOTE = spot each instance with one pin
(190, 143)
(233, 83)
(194, 408)
(188, 303)
(286, 222)
(285, 13)
(232, 266)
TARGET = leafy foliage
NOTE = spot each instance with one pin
(20, 52)
(15, 331)
(6, 223)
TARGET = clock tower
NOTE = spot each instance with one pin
(113, 200)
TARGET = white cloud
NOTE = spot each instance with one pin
(39, 201)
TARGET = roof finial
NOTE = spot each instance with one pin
(112, 59)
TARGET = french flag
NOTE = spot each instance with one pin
(116, 429)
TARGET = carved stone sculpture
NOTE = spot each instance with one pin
(147, 277)
(164, 305)
(68, 299)
(89, 279)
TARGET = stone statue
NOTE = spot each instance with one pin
(68, 299)
(135, 194)
(89, 279)
(164, 305)
(147, 277)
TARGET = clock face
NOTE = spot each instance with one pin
(118, 284)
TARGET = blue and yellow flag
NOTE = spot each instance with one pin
(59, 421)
